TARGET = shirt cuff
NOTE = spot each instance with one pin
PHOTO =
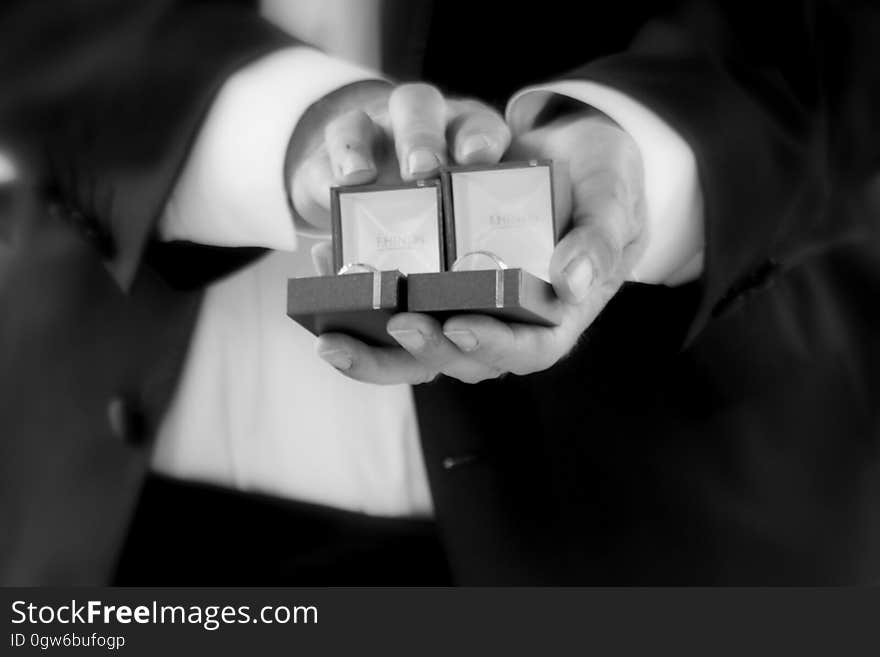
(232, 191)
(8, 170)
(674, 202)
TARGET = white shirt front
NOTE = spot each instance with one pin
(256, 409)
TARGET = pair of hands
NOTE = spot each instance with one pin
(408, 133)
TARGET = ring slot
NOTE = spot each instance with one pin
(363, 268)
(498, 262)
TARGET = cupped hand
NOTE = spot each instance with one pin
(605, 200)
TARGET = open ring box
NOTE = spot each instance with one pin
(381, 233)
(500, 232)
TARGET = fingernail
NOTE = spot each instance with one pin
(579, 277)
(463, 339)
(474, 144)
(409, 339)
(422, 161)
(353, 162)
(338, 358)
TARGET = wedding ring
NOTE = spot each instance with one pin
(357, 268)
(497, 263)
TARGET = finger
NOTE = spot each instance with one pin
(515, 348)
(322, 258)
(421, 336)
(310, 189)
(577, 263)
(418, 121)
(592, 251)
(349, 141)
(380, 365)
(478, 133)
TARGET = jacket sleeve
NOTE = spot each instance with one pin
(775, 106)
(106, 98)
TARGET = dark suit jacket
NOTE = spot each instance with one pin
(100, 101)
(724, 431)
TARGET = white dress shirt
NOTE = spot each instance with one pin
(256, 408)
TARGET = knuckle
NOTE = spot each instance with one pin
(579, 237)
(605, 252)
(523, 369)
(434, 353)
(426, 376)
(551, 358)
(484, 121)
(502, 130)
(494, 358)
(420, 134)
(417, 92)
(599, 182)
(434, 340)
(473, 377)
(340, 122)
(317, 168)
(543, 362)
(315, 165)
(356, 122)
(420, 103)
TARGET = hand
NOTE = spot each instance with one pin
(606, 205)
(374, 133)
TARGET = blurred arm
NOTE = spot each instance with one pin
(232, 191)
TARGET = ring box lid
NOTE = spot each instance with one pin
(506, 209)
(388, 227)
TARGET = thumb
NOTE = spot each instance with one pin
(582, 259)
(591, 252)
(322, 258)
